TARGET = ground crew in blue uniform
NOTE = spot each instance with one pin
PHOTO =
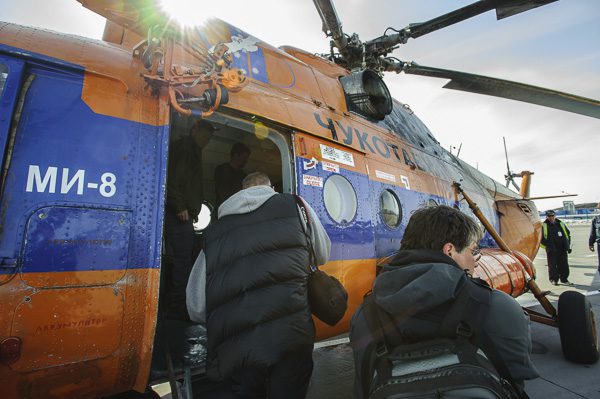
(556, 240)
(595, 235)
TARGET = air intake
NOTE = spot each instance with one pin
(367, 94)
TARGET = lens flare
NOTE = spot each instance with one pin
(186, 12)
(260, 131)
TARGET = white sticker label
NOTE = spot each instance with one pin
(405, 181)
(315, 181)
(330, 166)
(333, 154)
(308, 165)
(385, 176)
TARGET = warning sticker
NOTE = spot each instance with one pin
(385, 176)
(330, 166)
(308, 165)
(315, 181)
(333, 154)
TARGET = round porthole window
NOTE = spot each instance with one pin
(390, 208)
(431, 203)
(340, 199)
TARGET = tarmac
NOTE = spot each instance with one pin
(333, 372)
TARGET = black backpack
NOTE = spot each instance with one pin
(464, 364)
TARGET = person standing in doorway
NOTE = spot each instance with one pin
(595, 235)
(184, 200)
(229, 176)
(556, 240)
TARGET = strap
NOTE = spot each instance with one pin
(371, 314)
(305, 219)
(473, 310)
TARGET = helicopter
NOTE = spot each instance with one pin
(85, 133)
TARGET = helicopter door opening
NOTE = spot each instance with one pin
(269, 153)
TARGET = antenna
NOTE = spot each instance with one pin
(454, 147)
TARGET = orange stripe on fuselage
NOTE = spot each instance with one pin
(79, 340)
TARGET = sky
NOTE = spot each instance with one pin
(555, 46)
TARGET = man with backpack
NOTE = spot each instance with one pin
(425, 301)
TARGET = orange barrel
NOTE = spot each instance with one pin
(504, 271)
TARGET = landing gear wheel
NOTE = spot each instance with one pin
(577, 328)
(149, 394)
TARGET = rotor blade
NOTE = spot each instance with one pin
(511, 90)
(506, 155)
(511, 7)
(515, 185)
(331, 23)
(504, 9)
(552, 196)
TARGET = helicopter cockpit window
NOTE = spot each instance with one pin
(390, 208)
(340, 199)
(3, 76)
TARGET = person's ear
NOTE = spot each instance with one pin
(448, 249)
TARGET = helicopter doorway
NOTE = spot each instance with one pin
(269, 153)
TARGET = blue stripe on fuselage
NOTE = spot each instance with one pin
(366, 236)
(82, 187)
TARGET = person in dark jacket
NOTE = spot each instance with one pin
(229, 176)
(184, 200)
(419, 285)
(249, 285)
(556, 240)
(595, 235)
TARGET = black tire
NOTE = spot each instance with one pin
(149, 394)
(577, 328)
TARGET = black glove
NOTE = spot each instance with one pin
(569, 251)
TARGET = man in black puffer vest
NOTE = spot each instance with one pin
(259, 326)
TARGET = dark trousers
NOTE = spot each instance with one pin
(558, 265)
(288, 379)
(598, 252)
(179, 241)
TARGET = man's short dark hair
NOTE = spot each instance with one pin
(432, 227)
(239, 149)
